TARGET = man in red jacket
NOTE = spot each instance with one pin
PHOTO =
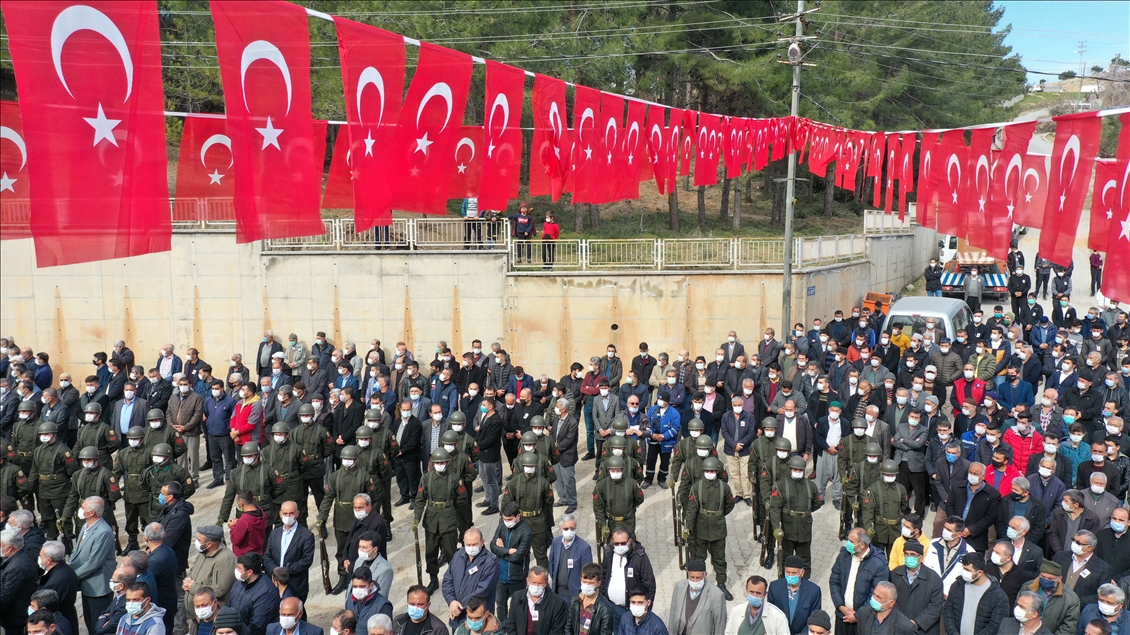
(249, 530)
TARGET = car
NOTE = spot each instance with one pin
(993, 271)
(910, 313)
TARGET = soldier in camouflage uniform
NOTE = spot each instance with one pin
(163, 469)
(315, 443)
(440, 495)
(345, 483)
(615, 499)
(265, 483)
(373, 461)
(461, 464)
(547, 446)
(130, 465)
(618, 446)
(383, 449)
(704, 519)
(684, 449)
(52, 466)
(13, 480)
(95, 433)
(285, 457)
(159, 432)
(25, 437)
(851, 453)
(529, 445)
(534, 495)
(884, 505)
(791, 506)
(864, 474)
(773, 469)
(691, 471)
(93, 480)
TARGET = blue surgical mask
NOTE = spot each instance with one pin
(1068, 419)
(850, 546)
(483, 409)
(951, 458)
(912, 562)
(416, 613)
(1047, 584)
(1117, 527)
(475, 625)
(161, 498)
(792, 580)
(754, 601)
(876, 605)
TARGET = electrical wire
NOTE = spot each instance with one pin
(536, 8)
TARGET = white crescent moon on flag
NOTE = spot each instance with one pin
(264, 50)
(1072, 146)
(926, 162)
(555, 120)
(615, 134)
(370, 77)
(14, 137)
(1014, 162)
(950, 164)
(221, 139)
(635, 127)
(440, 89)
(466, 141)
(500, 101)
(79, 18)
(349, 157)
(587, 114)
(1125, 189)
(1032, 172)
(701, 135)
(1109, 185)
(982, 161)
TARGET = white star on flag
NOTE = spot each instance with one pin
(7, 183)
(629, 158)
(462, 168)
(588, 152)
(490, 149)
(1062, 198)
(369, 143)
(270, 135)
(215, 177)
(1027, 198)
(103, 127)
(1125, 233)
(422, 145)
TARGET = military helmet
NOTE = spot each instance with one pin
(695, 424)
(781, 443)
(889, 467)
(537, 421)
(89, 452)
(349, 452)
(364, 432)
(441, 456)
(614, 463)
(769, 422)
(450, 436)
(250, 448)
(873, 449)
(372, 414)
(796, 462)
(162, 449)
(48, 428)
(155, 414)
(281, 427)
(620, 424)
(617, 442)
(526, 460)
(703, 442)
(306, 409)
(529, 438)
(859, 422)
(94, 407)
(136, 432)
(457, 417)
(712, 464)
(26, 406)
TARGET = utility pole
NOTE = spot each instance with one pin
(795, 57)
(1082, 73)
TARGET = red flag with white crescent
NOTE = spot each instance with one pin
(657, 151)
(205, 174)
(1033, 191)
(1073, 157)
(501, 156)
(927, 200)
(1104, 203)
(468, 170)
(372, 75)
(15, 194)
(551, 139)
(978, 178)
(906, 171)
(635, 158)
(1008, 171)
(949, 183)
(708, 149)
(89, 78)
(588, 145)
(342, 177)
(611, 132)
(1116, 273)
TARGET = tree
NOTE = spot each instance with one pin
(1067, 75)
(1096, 69)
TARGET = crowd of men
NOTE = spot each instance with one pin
(1011, 434)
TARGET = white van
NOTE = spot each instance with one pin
(911, 313)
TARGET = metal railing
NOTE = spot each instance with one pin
(635, 253)
(203, 213)
(879, 222)
(329, 240)
(395, 236)
(553, 255)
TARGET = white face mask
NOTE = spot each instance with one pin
(128, 394)
(638, 610)
(360, 593)
(90, 416)
(289, 520)
(588, 590)
(441, 467)
(288, 622)
(1045, 472)
(616, 475)
(781, 454)
(248, 460)
(907, 532)
(888, 478)
(703, 452)
(204, 613)
(710, 476)
(46, 438)
(347, 463)
(973, 479)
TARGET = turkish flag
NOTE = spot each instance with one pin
(688, 132)
(927, 200)
(1116, 273)
(906, 171)
(894, 161)
(430, 126)
(1104, 203)
(501, 158)
(949, 183)
(468, 170)
(635, 155)
(847, 166)
(372, 75)
(975, 196)
(342, 176)
(1008, 170)
(1073, 157)
(611, 164)
(709, 149)
(205, 180)
(89, 78)
(551, 143)
(15, 198)
(587, 150)
(657, 151)
(875, 155)
(1033, 191)
(761, 148)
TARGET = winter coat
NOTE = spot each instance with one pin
(991, 610)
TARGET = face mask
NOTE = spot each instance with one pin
(973, 479)
(633, 409)
(710, 476)
(360, 593)
(870, 418)
(700, 365)
(968, 374)
(416, 613)
(951, 458)
(1066, 507)
(888, 478)
(901, 400)
(797, 474)
(347, 463)
(1098, 489)
(871, 459)
(968, 576)
(1045, 472)
(638, 610)
(1081, 386)
(943, 437)
(719, 358)
(128, 394)
(134, 608)
(45, 438)
(249, 460)
(1098, 458)
(588, 589)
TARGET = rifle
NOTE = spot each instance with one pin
(599, 544)
(118, 539)
(766, 559)
(325, 563)
(675, 519)
(419, 565)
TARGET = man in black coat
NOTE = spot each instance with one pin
(922, 599)
(551, 609)
(889, 615)
(487, 430)
(60, 578)
(1010, 576)
(1092, 571)
(267, 348)
(406, 464)
(1034, 510)
(979, 513)
(934, 278)
(176, 519)
(635, 560)
(370, 522)
(107, 623)
(299, 555)
(18, 575)
(992, 608)
(1058, 538)
(1114, 546)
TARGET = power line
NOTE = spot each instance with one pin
(989, 29)
(494, 10)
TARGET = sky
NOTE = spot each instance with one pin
(1046, 34)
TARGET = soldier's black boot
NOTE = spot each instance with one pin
(726, 592)
(433, 585)
(342, 583)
